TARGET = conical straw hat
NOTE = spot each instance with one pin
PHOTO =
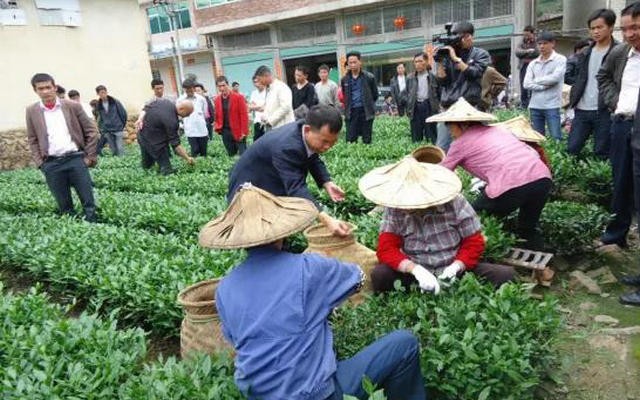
(257, 217)
(429, 154)
(521, 128)
(461, 111)
(409, 184)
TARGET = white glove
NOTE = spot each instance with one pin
(476, 185)
(426, 280)
(452, 270)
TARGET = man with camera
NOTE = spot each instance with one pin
(459, 71)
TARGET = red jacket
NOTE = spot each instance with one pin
(238, 115)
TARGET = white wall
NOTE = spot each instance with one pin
(108, 48)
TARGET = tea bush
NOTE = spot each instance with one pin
(475, 342)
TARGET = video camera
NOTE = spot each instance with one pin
(448, 39)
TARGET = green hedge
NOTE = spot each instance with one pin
(118, 269)
(475, 342)
(46, 355)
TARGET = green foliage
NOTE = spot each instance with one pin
(570, 228)
(137, 273)
(46, 356)
(202, 378)
(475, 342)
(498, 241)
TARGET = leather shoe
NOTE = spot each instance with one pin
(632, 299)
(631, 280)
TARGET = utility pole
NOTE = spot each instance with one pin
(169, 8)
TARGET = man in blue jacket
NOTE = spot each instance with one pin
(280, 161)
(274, 309)
(113, 119)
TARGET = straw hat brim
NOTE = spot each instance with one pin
(409, 184)
(429, 154)
(522, 129)
(462, 111)
(256, 217)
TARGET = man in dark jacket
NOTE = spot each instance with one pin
(160, 130)
(526, 52)
(591, 115)
(113, 118)
(398, 87)
(422, 100)
(280, 161)
(360, 94)
(618, 89)
(460, 74)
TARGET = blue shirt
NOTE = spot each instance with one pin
(274, 308)
(356, 91)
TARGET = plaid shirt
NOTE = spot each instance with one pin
(432, 237)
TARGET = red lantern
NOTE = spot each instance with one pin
(400, 22)
(357, 29)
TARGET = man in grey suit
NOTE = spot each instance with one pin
(62, 139)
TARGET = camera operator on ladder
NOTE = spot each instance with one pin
(459, 70)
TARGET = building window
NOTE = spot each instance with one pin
(160, 22)
(59, 12)
(411, 12)
(307, 29)
(371, 23)
(10, 14)
(491, 8)
(211, 3)
(246, 39)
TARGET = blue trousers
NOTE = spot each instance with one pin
(444, 136)
(64, 173)
(391, 362)
(549, 117)
(622, 167)
(585, 123)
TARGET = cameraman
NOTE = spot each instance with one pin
(459, 73)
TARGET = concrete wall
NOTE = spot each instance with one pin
(108, 48)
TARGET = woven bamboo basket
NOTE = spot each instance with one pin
(200, 330)
(429, 154)
(347, 249)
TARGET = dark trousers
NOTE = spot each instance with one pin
(529, 199)
(198, 146)
(64, 173)
(585, 123)
(359, 126)
(402, 107)
(621, 158)
(420, 130)
(231, 144)
(162, 158)
(391, 363)
(524, 93)
(258, 131)
(383, 276)
(101, 143)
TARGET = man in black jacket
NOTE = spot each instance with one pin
(398, 87)
(280, 161)
(591, 114)
(460, 74)
(422, 100)
(360, 94)
(113, 118)
(618, 89)
(160, 130)
(526, 52)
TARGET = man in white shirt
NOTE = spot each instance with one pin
(256, 105)
(399, 89)
(195, 125)
(619, 85)
(545, 78)
(62, 139)
(278, 107)
(326, 89)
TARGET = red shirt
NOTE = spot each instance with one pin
(238, 115)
